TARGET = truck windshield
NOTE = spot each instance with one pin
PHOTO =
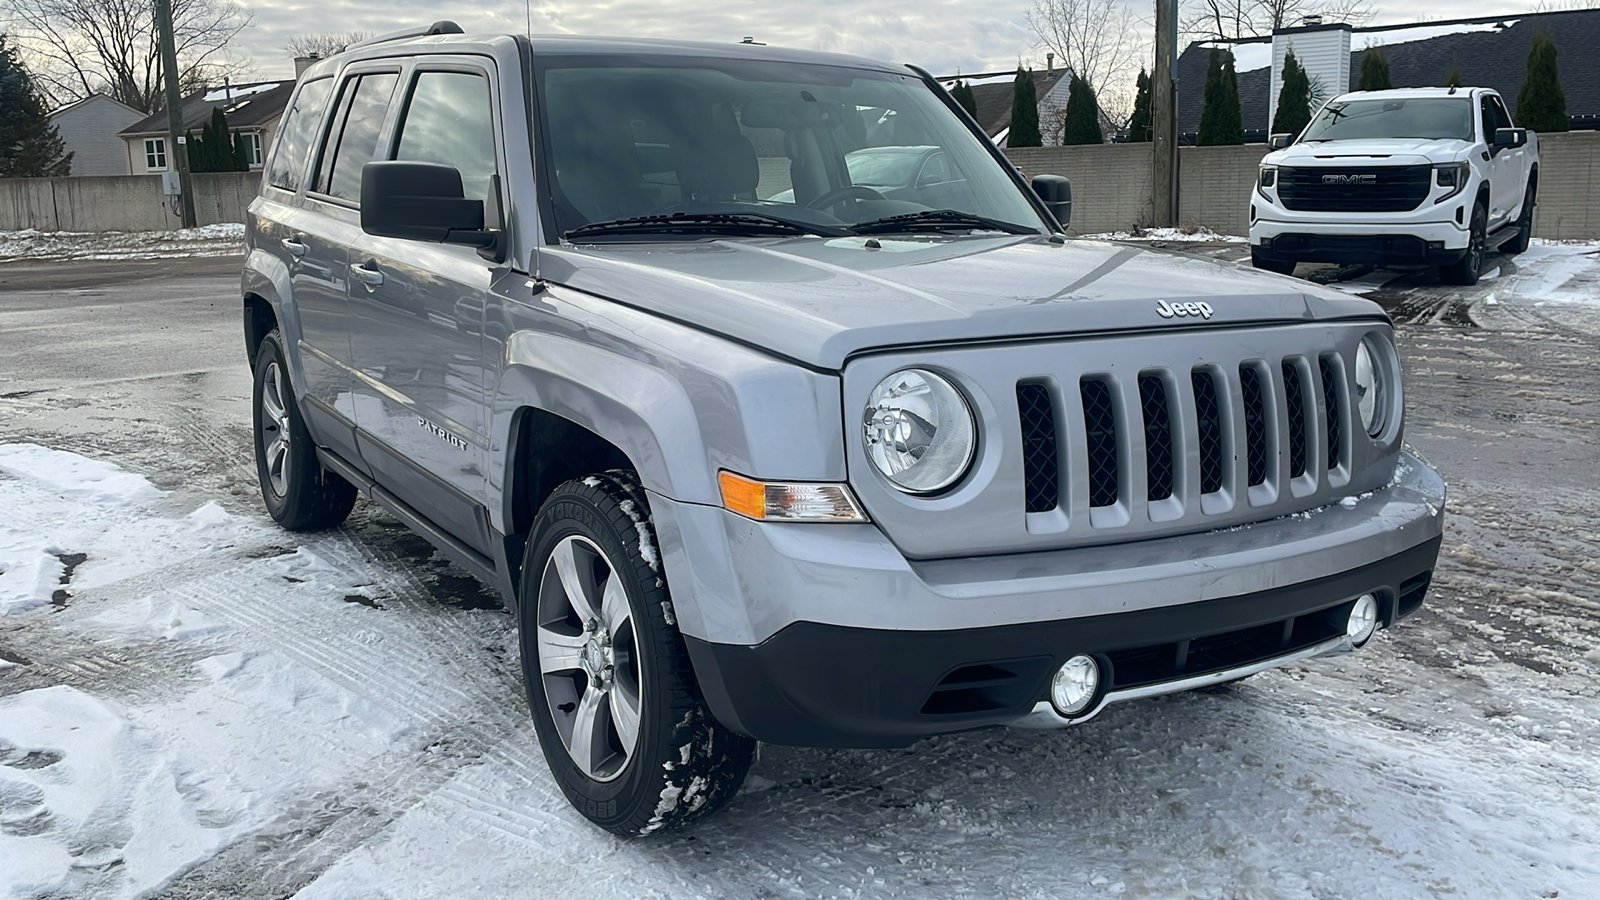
(749, 146)
(1433, 118)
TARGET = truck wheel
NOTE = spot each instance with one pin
(1270, 265)
(1465, 270)
(299, 493)
(619, 715)
(1519, 244)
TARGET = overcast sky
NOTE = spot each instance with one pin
(944, 36)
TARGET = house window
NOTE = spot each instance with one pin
(155, 154)
(252, 143)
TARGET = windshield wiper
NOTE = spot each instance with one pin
(939, 220)
(738, 224)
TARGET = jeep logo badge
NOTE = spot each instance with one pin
(1349, 179)
(1181, 310)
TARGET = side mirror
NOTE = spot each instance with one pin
(1056, 192)
(1510, 137)
(1280, 141)
(421, 202)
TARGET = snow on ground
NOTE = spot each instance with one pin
(1554, 272)
(226, 239)
(1187, 233)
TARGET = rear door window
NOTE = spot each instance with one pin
(288, 164)
(448, 120)
(353, 139)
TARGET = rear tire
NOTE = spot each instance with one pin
(299, 493)
(1271, 265)
(1519, 244)
(1465, 270)
(619, 715)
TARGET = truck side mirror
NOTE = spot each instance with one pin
(1056, 193)
(1510, 137)
(421, 202)
(1280, 141)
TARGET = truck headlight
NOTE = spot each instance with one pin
(1372, 387)
(1268, 178)
(1453, 176)
(919, 431)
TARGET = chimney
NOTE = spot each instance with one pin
(302, 63)
(1049, 63)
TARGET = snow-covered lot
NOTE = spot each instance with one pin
(194, 703)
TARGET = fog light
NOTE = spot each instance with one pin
(1075, 686)
(1363, 620)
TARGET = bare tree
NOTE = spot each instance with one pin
(1230, 20)
(1097, 40)
(324, 44)
(78, 47)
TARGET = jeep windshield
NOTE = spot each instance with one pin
(1429, 118)
(663, 148)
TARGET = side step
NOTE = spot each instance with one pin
(1506, 233)
(481, 567)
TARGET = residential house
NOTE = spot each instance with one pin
(992, 91)
(89, 128)
(253, 110)
(1490, 51)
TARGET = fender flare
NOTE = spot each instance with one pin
(266, 278)
(638, 408)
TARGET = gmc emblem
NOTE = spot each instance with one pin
(1349, 179)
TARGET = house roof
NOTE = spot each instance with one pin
(83, 101)
(255, 103)
(1494, 59)
(994, 99)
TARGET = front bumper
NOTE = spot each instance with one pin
(1382, 238)
(826, 635)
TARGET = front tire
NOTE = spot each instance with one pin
(619, 715)
(1465, 270)
(299, 493)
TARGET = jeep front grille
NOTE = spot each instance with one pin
(1376, 188)
(1280, 418)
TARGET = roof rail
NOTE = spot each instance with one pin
(443, 26)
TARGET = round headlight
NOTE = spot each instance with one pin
(1372, 391)
(919, 431)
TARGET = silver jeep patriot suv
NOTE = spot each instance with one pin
(778, 407)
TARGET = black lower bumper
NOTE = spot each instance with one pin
(1379, 249)
(833, 686)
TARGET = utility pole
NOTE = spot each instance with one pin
(1164, 119)
(177, 154)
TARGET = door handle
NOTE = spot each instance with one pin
(294, 246)
(366, 275)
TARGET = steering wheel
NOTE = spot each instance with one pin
(851, 192)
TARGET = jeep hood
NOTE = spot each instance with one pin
(818, 300)
(1374, 151)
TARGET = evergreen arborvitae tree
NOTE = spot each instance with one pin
(1139, 125)
(1221, 122)
(964, 98)
(1374, 71)
(1024, 112)
(1082, 124)
(30, 146)
(1541, 104)
(1452, 78)
(1294, 98)
(241, 152)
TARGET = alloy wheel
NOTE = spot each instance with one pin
(588, 657)
(275, 428)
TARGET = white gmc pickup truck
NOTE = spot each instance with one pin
(1421, 176)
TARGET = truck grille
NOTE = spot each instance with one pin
(1278, 416)
(1390, 188)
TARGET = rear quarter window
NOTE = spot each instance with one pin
(287, 167)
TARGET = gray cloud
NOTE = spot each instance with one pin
(944, 36)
